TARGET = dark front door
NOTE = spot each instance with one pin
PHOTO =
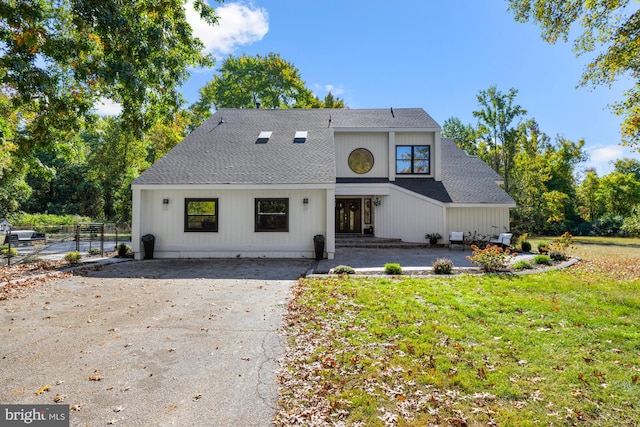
(348, 216)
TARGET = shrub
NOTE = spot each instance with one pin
(443, 266)
(543, 247)
(491, 258)
(631, 224)
(557, 255)
(542, 259)
(123, 250)
(4, 250)
(72, 257)
(525, 246)
(343, 269)
(522, 265)
(608, 225)
(94, 251)
(391, 268)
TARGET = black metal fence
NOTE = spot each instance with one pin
(53, 242)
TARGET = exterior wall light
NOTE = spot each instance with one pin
(165, 201)
(377, 201)
(305, 201)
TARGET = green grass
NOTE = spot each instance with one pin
(557, 348)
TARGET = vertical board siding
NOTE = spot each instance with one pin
(236, 223)
(485, 221)
(407, 217)
(377, 143)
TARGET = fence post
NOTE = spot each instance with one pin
(9, 250)
(77, 237)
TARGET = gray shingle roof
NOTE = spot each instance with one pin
(223, 150)
(468, 179)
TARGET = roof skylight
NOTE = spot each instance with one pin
(300, 137)
(264, 136)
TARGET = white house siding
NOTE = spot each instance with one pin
(481, 219)
(407, 216)
(236, 223)
(377, 143)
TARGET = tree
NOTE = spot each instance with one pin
(496, 118)
(463, 135)
(331, 102)
(627, 165)
(248, 81)
(611, 26)
(59, 57)
(590, 204)
(619, 193)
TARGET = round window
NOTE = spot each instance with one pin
(361, 160)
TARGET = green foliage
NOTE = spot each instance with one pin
(123, 250)
(491, 258)
(608, 225)
(496, 125)
(343, 269)
(525, 246)
(41, 220)
(94, 251)
(542, 259)
(463, 135)
(443, 266)
(543, 247)
(4, 251)
(73, 257)
(556, 255)
(610, 26)
(432, 236)
(392, 268)
(522, 265)
(631, 224)
(244, 81)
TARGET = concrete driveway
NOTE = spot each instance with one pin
(157, 343)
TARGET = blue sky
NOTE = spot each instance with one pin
(436, 55)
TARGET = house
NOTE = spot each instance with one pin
(262, 183)
(5, 226)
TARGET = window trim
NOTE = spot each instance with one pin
(413, 160)
(285, 229)
(186, 215)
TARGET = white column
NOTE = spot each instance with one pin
(331, 223)
(392, 156)
(136, 218)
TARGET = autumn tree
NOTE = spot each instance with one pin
(609, 27)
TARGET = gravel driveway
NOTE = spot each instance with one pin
(152, 343)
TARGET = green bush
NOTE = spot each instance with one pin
(123, 250)
(443, 266)
(525, 246)
(94, 251)
(491, 258)
(343, 269)
(522, 265)
(543, 247)
(391, 268)
(557, 255)
(72, 257)
(542, 259)
(631, 224)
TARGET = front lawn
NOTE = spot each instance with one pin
(556, 348)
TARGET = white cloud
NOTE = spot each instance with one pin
(606, 153)
(336, 91)
(106, 107)
(239, 25)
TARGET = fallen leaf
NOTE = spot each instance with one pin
(43, 389)
(96, 378)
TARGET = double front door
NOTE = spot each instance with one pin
(348, 216)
